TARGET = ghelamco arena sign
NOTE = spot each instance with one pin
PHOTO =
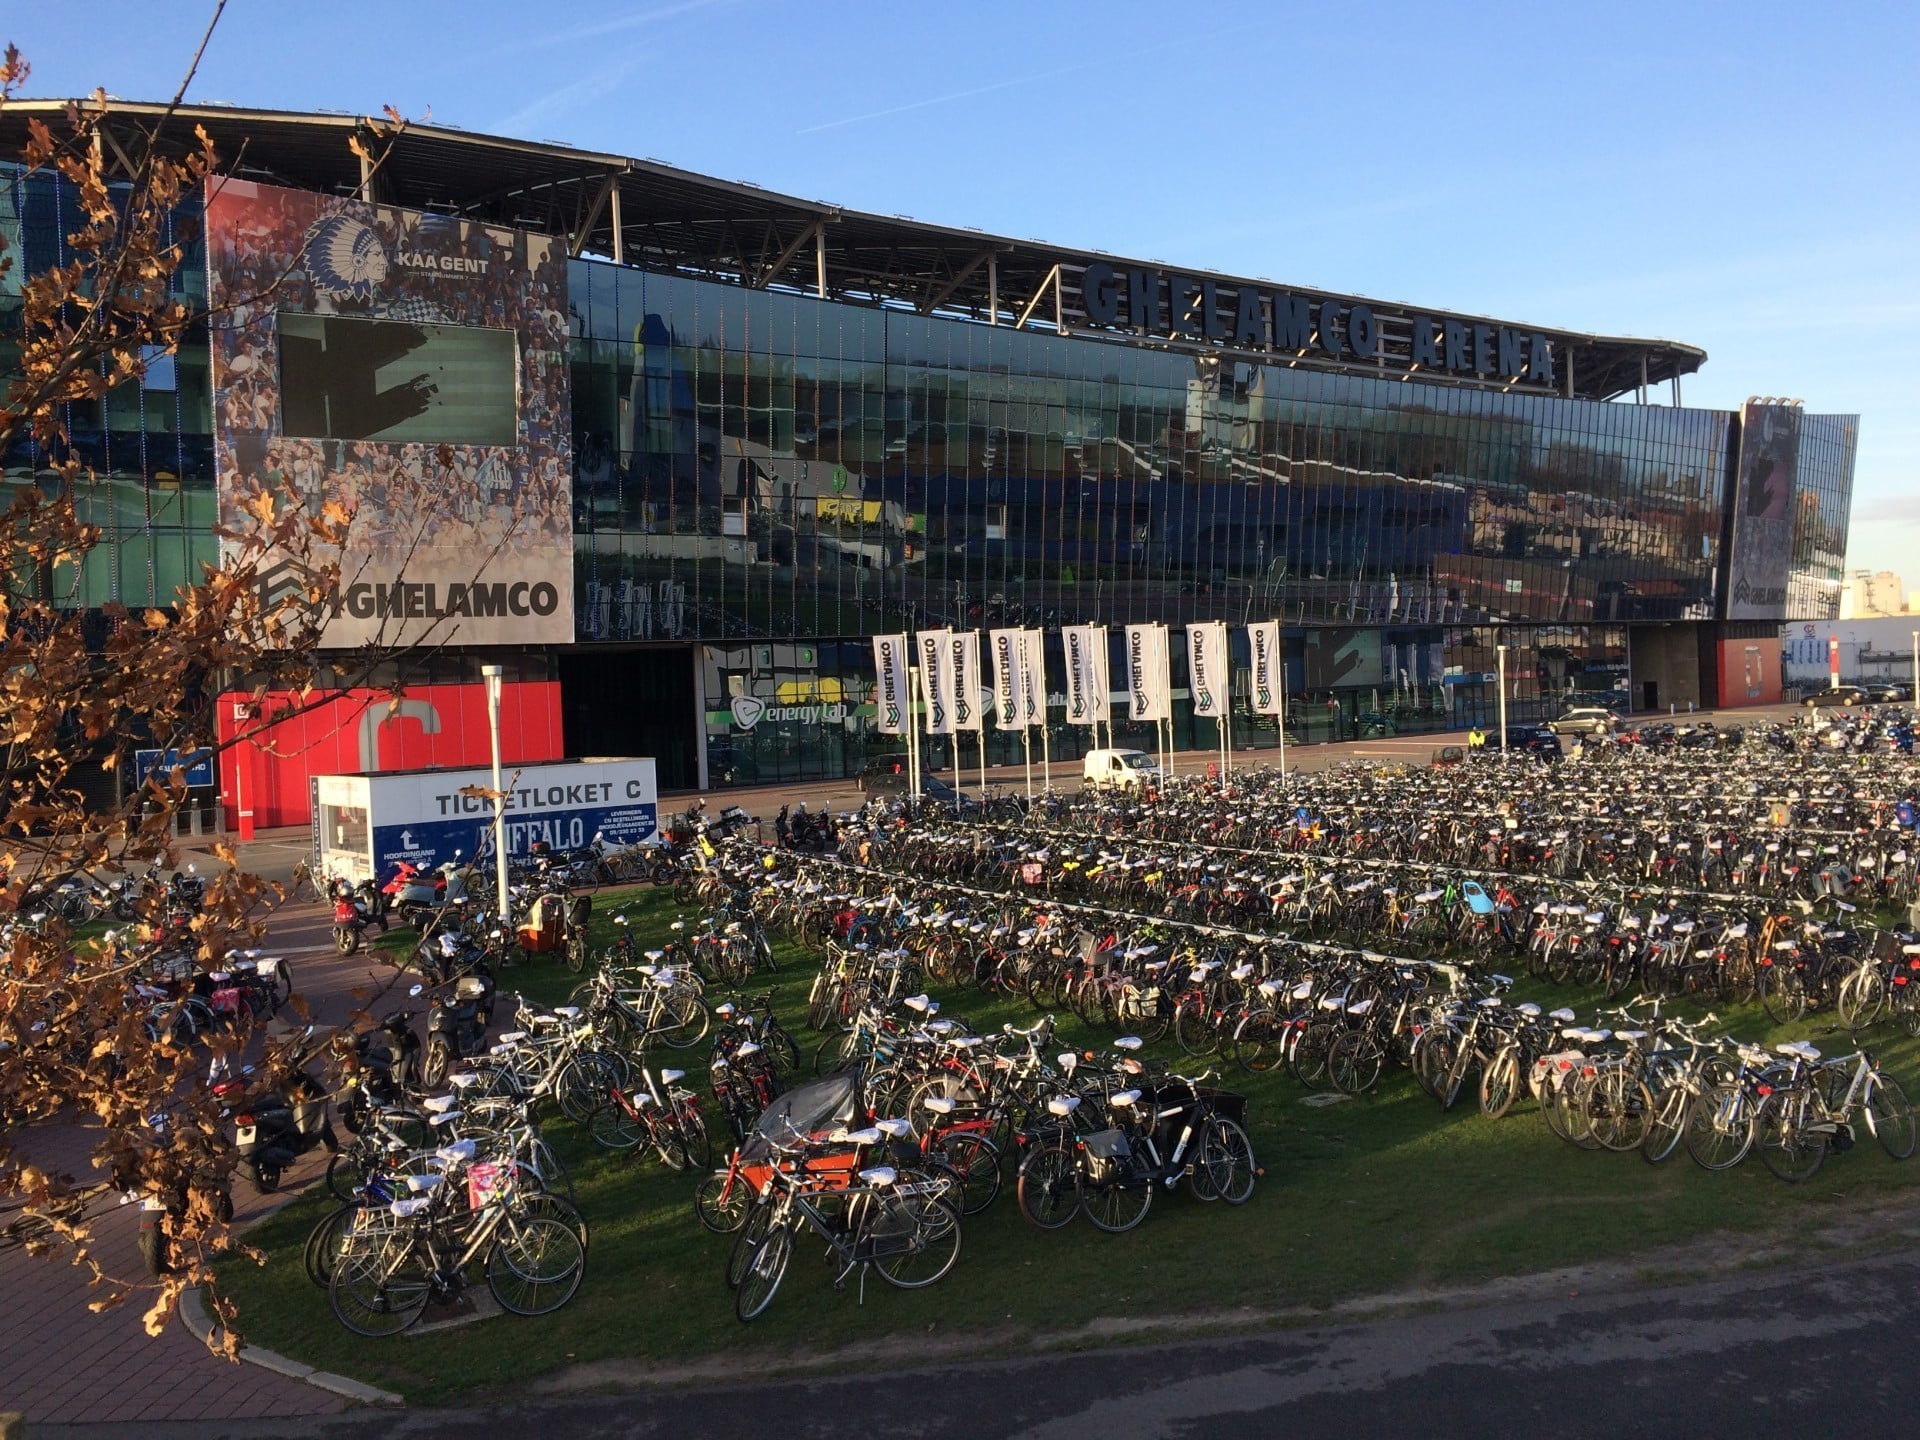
(1172, 306)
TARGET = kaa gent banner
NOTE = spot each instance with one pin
(1006, 677)
(1149, 685)
(935, 662)
(963, 679)
(891, 693)
(1207, 669)
(1033, 678)
(1269, 677)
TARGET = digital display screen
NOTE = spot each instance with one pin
(347, 378)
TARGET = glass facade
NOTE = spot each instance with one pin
(758, 465)
(146, 450)
(765, 479)
(1823, 496)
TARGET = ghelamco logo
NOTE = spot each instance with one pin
(747, 710)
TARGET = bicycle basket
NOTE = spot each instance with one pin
(1477, 898)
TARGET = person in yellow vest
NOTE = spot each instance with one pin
(1476, 739)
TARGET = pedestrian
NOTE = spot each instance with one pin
(1476, 740)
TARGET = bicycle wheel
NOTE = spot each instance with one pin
(1193, 1027)
(1668, 1125)
(615, 1126)
(1256, 1041)
(687, 1018)
(752, 1231)
(1118, 1198)
(1354, 1062)
(1500, 1082)
(1890, 1116)
(346, 1173)
(975, 1162)
(1619, 1110)
(1049, 1186)
(1226, 1162)
(916, 1240)
(1719, 1127)
(325, 1244)
(1308, 1059)
(1783, 1133)
(535, 1264)
(783, 1049)
(694, 1140)
(379, 1285)
(720, 1202)
(761, 1275)
(1783, 991)
(1862, 993)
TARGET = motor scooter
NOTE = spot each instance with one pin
(457, 1026)
(377, 1066)
(354, 909)
(276, 1126)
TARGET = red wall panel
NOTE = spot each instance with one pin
(1749, 672)
(435, 725)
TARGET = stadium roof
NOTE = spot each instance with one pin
(645, 213)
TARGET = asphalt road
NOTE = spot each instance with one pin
(1825, 1351)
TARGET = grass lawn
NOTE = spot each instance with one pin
(1382, 1193)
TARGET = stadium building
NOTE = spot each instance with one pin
(672, 448)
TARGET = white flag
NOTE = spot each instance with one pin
(1075, 641)
(1269, 675)
(1099, 683)
(1033, 678)
(936, 661)
(891, 695)
(1148, 690)
(1207, 668)
(963, 679)
(1006, 678)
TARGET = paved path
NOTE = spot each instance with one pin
(58, 1361)
(1824, 1351)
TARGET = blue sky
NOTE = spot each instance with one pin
(1737, 177)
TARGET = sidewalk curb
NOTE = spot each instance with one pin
(193, 1314)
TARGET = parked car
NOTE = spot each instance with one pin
(1885, 694)
(1120, 769)
(1445, 757)
(1585, 720)
(885, 775)
(1844, 695)
(1536, 740)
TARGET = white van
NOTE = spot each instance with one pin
(1123, 769)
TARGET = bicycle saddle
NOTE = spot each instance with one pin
(880, 1176)
(1063, 1105)
(1124, 1099)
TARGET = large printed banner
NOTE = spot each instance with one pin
(1088, 698)
(1033, 678)
(414, 368)
(1763, 512)
(1007, 657)
(963, 679)
(1149, 678)
(892, 693)
(1207, 674)
(936, 663)
(1269, 678)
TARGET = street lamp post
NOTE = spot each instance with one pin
(1916, 674)
(492, 674)
(1500, 654)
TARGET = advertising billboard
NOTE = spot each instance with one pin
(414, 368)
(1763, 512)
(367, 824)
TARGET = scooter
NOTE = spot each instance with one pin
(419, 894)
(377, 1067)
(457, 1026)
(354, 909)
(278, 1126)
